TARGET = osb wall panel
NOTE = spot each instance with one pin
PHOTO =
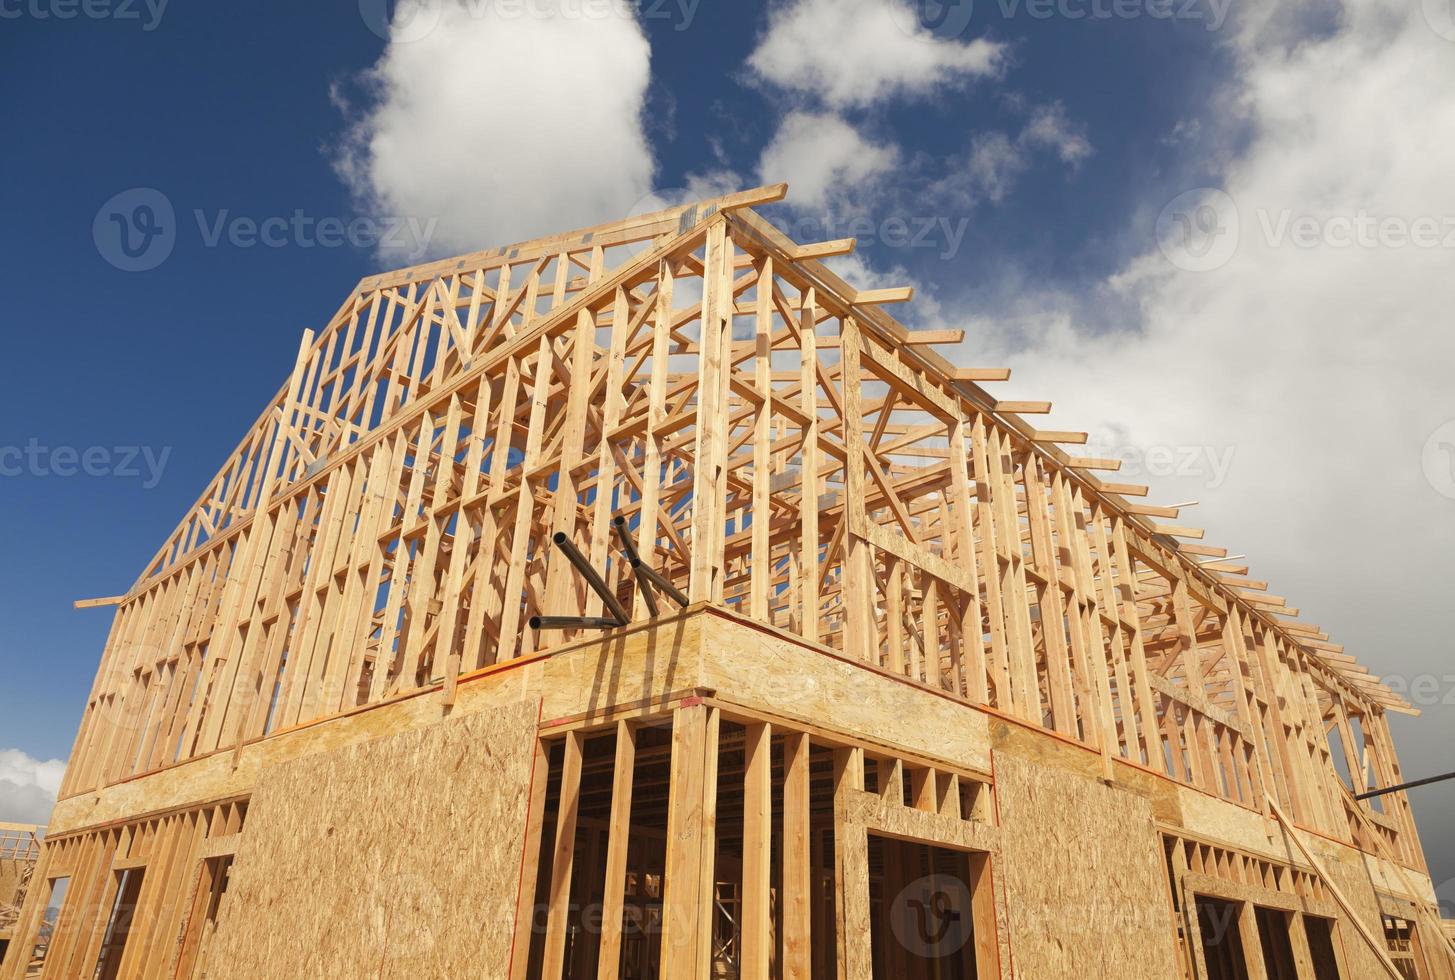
(399, 858)
(1207, 816)
(1085, 886)
(650, 663)
(1386, 877)
(763, 668)
(10, 874)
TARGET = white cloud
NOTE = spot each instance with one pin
(503, 127)
(857, 272)
(996, 162)
(994, 166)
(1301, 393)
(28, 787)
(1050, 127)
(1323, 369)
(823, 157)
(857, 52)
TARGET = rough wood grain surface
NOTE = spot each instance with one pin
(1085, 888)
(397, 858)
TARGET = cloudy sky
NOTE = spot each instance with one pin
(1218, 234)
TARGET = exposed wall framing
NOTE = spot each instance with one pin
(19, 851)
(128, 897)
(711, 843)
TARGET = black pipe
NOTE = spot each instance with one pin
(629, 547)
(627, 544)
(573, 623)
(1403, 786)
(656, 579)
(598, 585)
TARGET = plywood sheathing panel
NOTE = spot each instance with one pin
(1386, 877)
(755, 665)
(11, 874)
(644, 665)
(1208, 817)
(1086, 891)
(397, 858)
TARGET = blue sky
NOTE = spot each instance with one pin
(1293, 387)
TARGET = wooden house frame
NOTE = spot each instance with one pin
(19, 850)
(899, 687)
